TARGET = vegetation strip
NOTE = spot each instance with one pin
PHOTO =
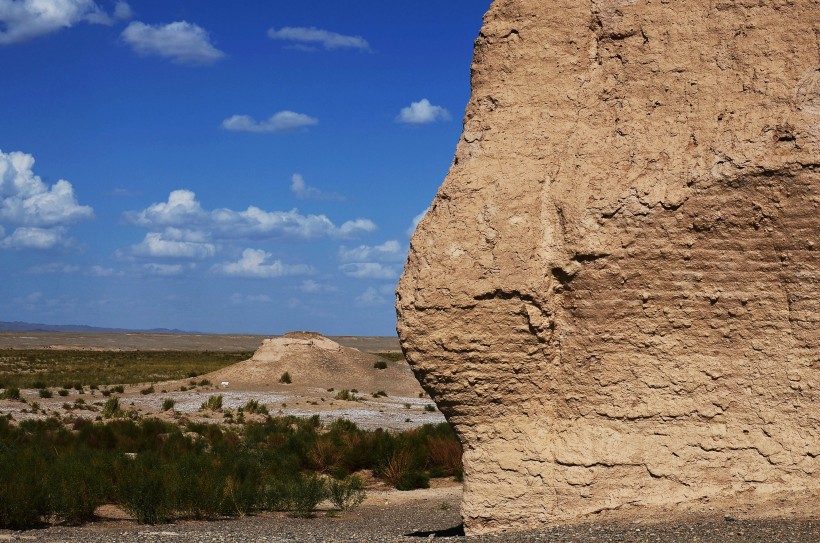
(159, 471)
(43, 368)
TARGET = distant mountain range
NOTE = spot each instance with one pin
(37, 327)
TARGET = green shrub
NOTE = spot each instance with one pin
(143, 492)
(380, 365)
(22, 487)
(77, 485)
(44, 393)
(285, 378)
(119, 389)
(276, 495)
(380, 393)
(347, 395)
(146, 391)
(213, 403)
(11, 393)
(413, 479)
(168, 404)
(196, 487)
(306, 492)
(204, 383)
(112, 409)
(254, 406)
(430, 407)
(346, 493)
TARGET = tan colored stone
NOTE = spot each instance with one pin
(614, 296)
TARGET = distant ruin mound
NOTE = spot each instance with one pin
(313, 361)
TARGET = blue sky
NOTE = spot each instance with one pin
(226, 167)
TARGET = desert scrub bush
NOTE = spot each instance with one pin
(119, 389)
(62, 392)
(11, 393)
(347, 395)
(430, 407)
(213, 403)
(44, 393)
(168, 404)
(146, 391)
(254, 407)
(306, 492)
(77, 485)
(346, 493)
(391, 356)
(24, 500)
(285, 378)
(196, 485)
(111, 408)
(380, 365)
(143, 491)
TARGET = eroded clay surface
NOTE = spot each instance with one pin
(614, 296)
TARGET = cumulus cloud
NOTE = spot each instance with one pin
(155, 245)
(373, 296)
(183, 211)
(422, 112)
(241, 299)
(163, 270)
(389, 251)
(303, 191)
(415, 222)
(307, 38)
(39, 214)
(370, 270)
(255, 263)
(21, 20)
(33, 238)
(181, 42)
(284, 121)
(54, 267)
(310, 286)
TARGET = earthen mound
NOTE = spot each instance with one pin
(615, 296)
(314, 361)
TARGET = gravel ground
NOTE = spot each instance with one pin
(422, 515)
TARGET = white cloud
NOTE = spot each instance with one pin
(33, 238)
(389, 251)
(164, 270)
(416, 220)
(254, 263)
(100, 271)
(303, 191)
(241, 299)
(313, 287)
(370, 270)
(54, 267)
(21, 20)
(373, 296)
(283, 121)
(183, 211)
(41, 212)
(422, 112)
(181, 42)
(306, 37)
(155, 245)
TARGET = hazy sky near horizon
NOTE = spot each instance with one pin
(222, 167)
